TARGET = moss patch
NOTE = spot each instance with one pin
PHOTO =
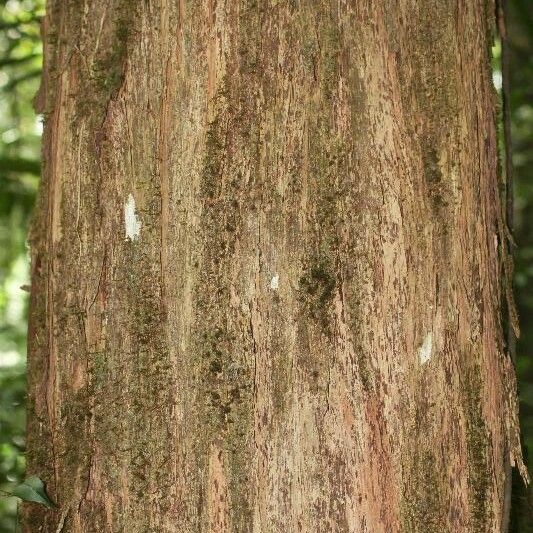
(422, 504)
(434, 179)
(317, 287)
(478, 452)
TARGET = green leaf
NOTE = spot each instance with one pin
(32, 490)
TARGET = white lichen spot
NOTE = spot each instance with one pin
(131, 220)
(274, 282)
(424, 352)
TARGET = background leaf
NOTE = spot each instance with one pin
(32, 490)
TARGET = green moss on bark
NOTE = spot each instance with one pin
(317, 288)
(478, 453)
(422, 508)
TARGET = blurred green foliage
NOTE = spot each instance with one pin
(20, 66)
(520, 30)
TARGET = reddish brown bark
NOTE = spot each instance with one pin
(267, 270)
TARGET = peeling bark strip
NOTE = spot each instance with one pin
(266, 270)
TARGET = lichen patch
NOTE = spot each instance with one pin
(132, 222)
(424, 352)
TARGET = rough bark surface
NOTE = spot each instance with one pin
(267, 269)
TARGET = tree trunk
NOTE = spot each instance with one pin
(267, 270)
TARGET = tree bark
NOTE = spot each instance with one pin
(269, 270)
